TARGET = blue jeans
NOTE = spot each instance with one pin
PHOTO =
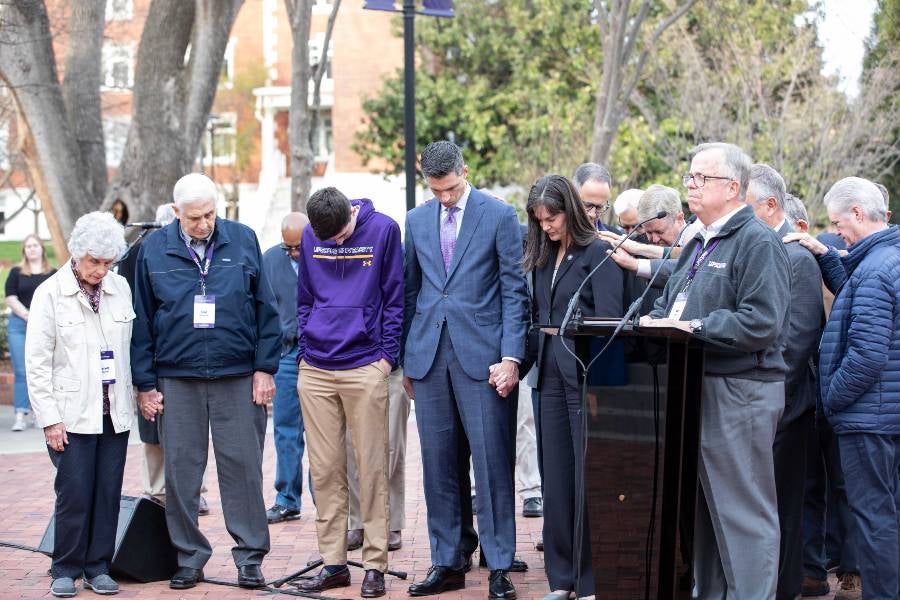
(288, 424)
(872, 465)
(16, 337)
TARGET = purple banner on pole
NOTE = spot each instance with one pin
(380, 5)
(438, 8)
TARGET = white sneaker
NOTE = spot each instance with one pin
(19, 425)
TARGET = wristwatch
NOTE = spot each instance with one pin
(696, 325)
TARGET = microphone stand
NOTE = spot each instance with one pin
(572, 310)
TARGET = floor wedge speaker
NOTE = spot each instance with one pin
(144, 551)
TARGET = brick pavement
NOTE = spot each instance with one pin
(26, 503)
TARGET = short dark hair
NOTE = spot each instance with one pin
(591, 172)
(439, 159)
(328, 211)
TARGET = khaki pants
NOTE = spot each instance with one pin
(153, 473)
(398, 415)
(332, 402)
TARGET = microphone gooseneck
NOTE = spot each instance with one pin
(145, 225)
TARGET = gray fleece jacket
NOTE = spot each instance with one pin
(742, 294)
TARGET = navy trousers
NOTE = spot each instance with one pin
(789, 454)
(872, 465)
(88, 489)
(451, 406)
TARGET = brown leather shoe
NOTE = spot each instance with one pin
(395, 540)
(324, 581)
(354, 539)
(373, 584)
(814, 587)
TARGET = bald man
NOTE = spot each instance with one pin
(280, 263)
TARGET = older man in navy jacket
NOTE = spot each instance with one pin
(860, 372)
(206, 343)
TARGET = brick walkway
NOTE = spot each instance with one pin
(26, 503)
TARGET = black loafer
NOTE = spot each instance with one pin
(438, 581)
(185, 578)
(250, 576)
(500, 586)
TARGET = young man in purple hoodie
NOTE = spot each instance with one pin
(350, 313)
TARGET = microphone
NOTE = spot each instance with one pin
(146, 225)
(573, 301)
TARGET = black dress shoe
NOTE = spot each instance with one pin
(438, 581)
(185, 578)
(467, 563)
(354, 539)
(279, 513)
(250, 576)
(540, 545)
(517, 566)
(500, 586)
(373, 584)
(324, 581)
(533, 507)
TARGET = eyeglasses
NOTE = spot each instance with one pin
(699, 179)
(290, 249)
(598, 208)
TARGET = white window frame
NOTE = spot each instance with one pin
(322, 151)
(114, 54)
(322, 7)
(315, 52)
(224, 124)
(124, 15)
(226, 78)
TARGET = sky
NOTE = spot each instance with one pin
(842, 34)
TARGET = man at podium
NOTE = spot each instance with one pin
(732, 285)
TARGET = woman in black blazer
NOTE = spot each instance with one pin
(560, 250)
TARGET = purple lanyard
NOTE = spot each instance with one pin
(207, 259)
(699, 259)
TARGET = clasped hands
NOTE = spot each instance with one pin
(504, 376)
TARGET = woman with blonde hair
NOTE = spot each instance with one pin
(23, 280)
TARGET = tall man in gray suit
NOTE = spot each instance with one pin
(732, 285)
(464, 329)
(766, 196)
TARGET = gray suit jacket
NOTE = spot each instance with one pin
(482, 298)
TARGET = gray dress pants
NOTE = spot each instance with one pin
(193, 408)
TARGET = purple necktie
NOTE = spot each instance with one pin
(448, 237)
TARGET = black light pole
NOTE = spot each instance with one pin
(409, 101)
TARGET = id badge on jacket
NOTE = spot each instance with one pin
(204, 312)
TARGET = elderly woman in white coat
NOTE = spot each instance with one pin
(79, 380)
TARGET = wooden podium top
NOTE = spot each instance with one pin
(600, 327)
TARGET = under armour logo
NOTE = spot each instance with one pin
(367, 263)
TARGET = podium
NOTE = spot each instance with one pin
(642, 413)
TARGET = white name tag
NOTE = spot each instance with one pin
(678, 306)
(107, 366)
(204, 312)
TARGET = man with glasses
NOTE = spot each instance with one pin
(593, 183)
(280, 263)
(732, 284)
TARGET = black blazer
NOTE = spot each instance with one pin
(600, 297)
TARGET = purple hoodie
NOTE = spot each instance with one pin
(350, 297)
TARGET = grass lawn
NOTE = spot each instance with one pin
(10, 255)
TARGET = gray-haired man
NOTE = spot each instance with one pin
(732, 284)
(206, 342)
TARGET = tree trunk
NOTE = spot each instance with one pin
(300, 14)
(28, 67)
(81, 91)
(171, 100)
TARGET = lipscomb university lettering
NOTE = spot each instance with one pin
(345, 253)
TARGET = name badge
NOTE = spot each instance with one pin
(204, 312)
(107, 366)
(678, 306)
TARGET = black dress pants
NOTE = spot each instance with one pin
(562, 465)
(88, 489)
